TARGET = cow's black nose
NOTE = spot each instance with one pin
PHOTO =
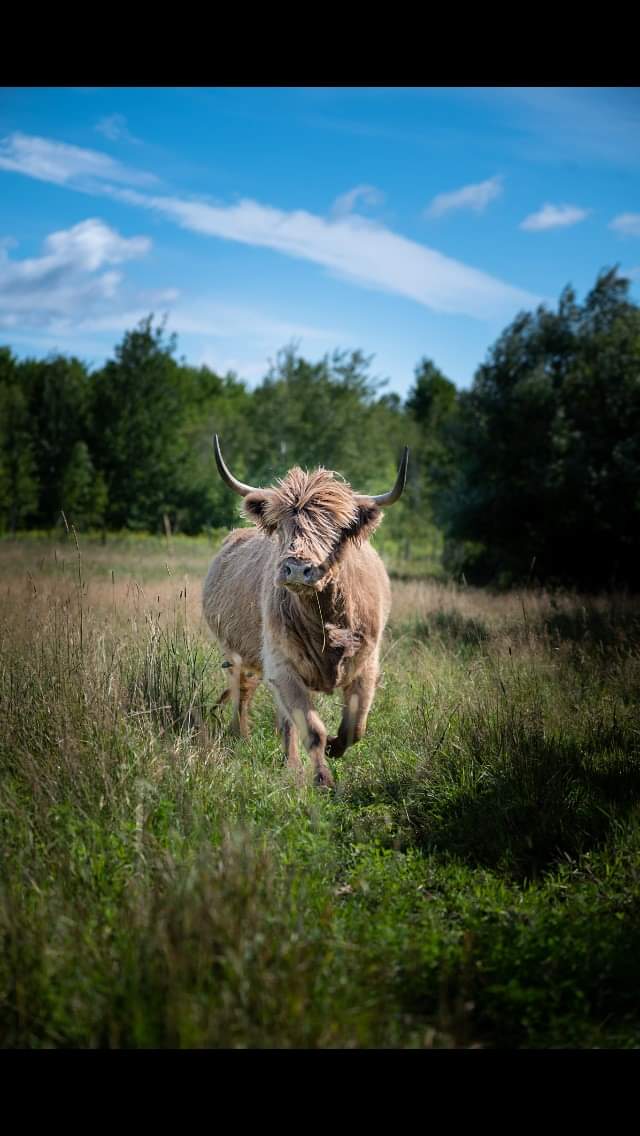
(295, 571)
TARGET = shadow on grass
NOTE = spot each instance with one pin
(588, 625)
(533, 808)
(452, 628)
(510, 797)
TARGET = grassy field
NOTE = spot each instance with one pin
(473, 881)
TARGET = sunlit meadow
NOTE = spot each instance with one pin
(473, 881)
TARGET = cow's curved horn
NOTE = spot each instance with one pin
(226, 475)
(384, 499)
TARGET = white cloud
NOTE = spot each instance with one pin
(114, 127)
(353, 248)
(63, 301)
(626, 223)
(63, 294)
(350, 246)
(65, 282)
(475, 197)
(62, 164)
(368, 194)
(553, 217)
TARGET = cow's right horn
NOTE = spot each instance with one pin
(226, 475)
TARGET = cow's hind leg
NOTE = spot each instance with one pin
(242, 688)
(358, 697)
(249, 683)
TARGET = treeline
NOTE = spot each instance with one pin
(130, 445)
(532, 473)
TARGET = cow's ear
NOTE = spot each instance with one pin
(366, 522)
(255, 506)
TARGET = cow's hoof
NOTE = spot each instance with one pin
(335, 747)
(323, 778)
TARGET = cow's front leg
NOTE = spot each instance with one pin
(358, 697)
(290, 742)
(296, 708)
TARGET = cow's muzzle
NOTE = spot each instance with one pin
(296, 573)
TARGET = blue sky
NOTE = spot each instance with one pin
(406, 222)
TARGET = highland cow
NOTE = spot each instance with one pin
(301, 602)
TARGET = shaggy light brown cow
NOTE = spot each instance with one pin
(302, 602)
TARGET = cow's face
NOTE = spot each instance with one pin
(314, 518)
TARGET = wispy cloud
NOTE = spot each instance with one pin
(211, 319)
(626, 223)
(114, 127)
(66, 281)
(350, 246)
(64, 295)
(250, 369)
(475, 197)
(226, 321)
(245, 339)
(591, 124)
(224, 338)
(64, 300)
(554, 217)
(367, 194)
(353, 248)
(62, 164)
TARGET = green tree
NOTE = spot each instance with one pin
(325, 413)
(18, 478)
(432, 405)
(211, 404)
(57, 392)
(84, 493)
(137, 420)
(432, 398)
(548, 446)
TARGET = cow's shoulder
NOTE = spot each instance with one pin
(239, 536)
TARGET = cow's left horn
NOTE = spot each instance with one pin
(383, 499)
(226, 475)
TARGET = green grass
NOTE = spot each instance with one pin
(473, 881)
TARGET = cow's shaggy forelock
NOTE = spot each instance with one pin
(319, 495)
(310, 511)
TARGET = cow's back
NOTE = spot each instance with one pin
(232, 590)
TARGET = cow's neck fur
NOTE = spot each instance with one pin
(325, 623)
